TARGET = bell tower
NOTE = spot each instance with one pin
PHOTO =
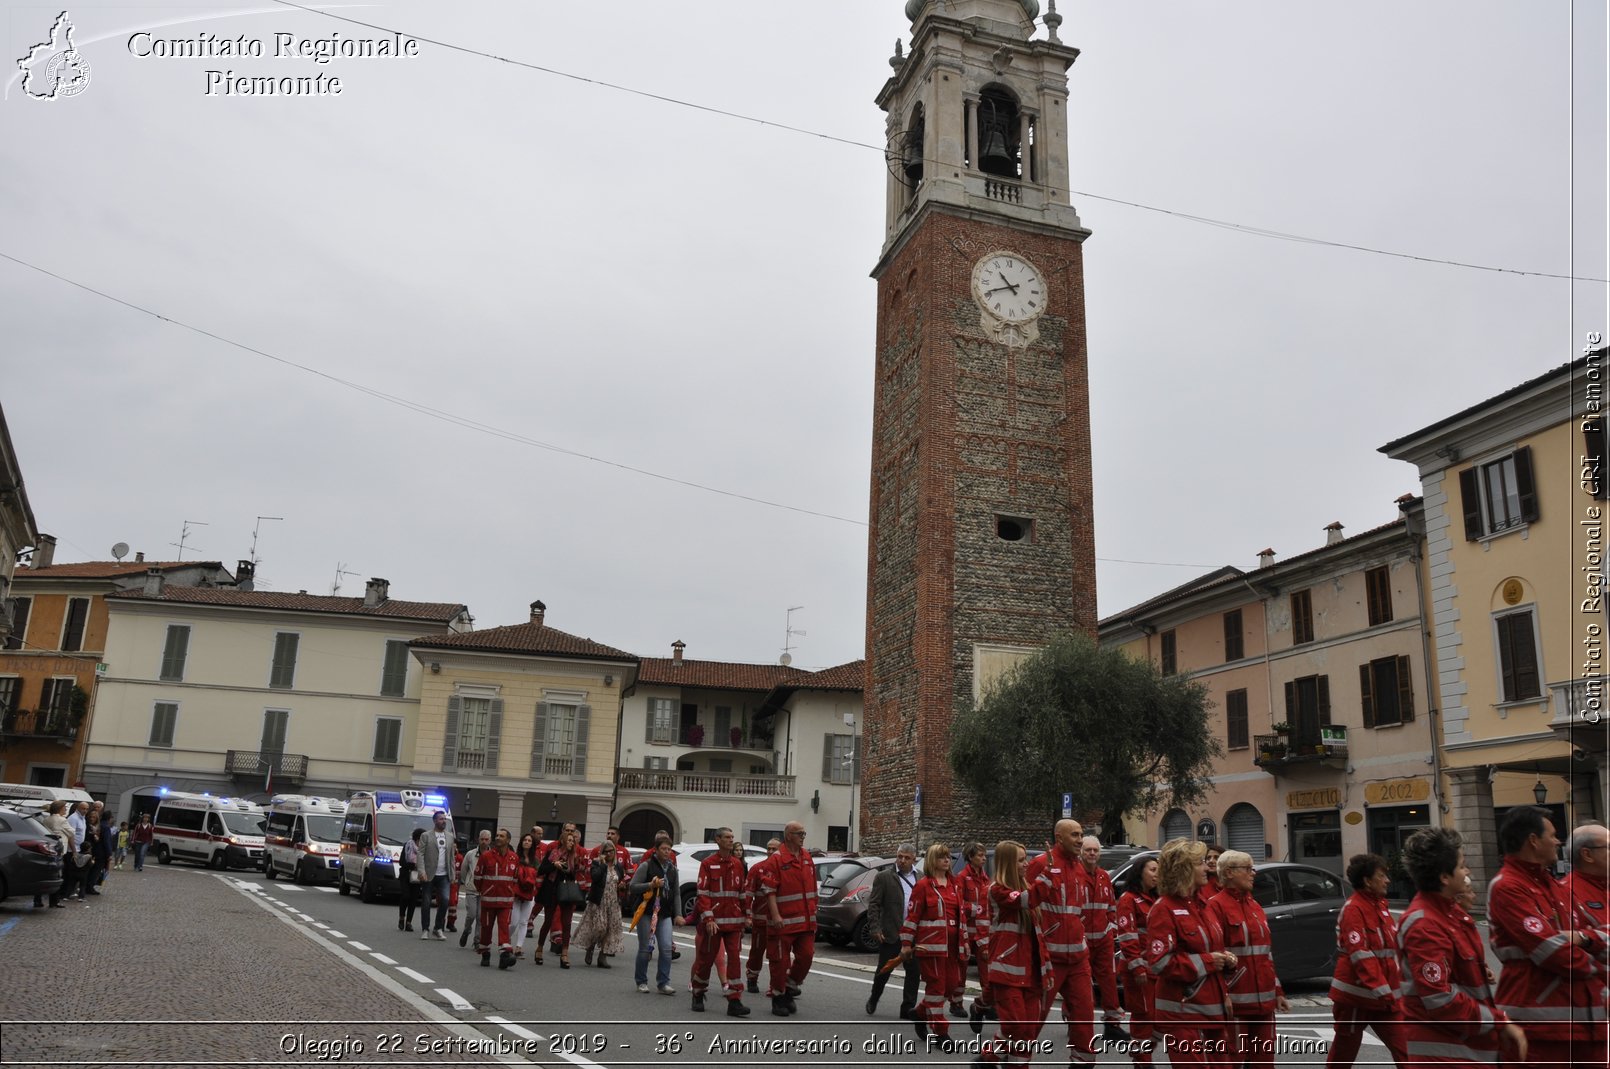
(981, 545)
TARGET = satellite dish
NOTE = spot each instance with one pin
(120, 550)
(785, 660)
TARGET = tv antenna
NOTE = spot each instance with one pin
(254, 557)
(340, 571)
(789, 631)
(120, 550)
(184, 535)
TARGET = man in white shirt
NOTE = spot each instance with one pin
(466, 886)
(436, 862)
(886, 911)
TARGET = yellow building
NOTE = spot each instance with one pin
(1514, 493)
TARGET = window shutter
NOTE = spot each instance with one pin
(73, 634)
(1366, 695)
(827, 758)
(1518, 653)
(163, 716)
(1323, 686)
(539, 739)
(450, 740)
(1523, 484)
(283, 673)
(1291, 705)
(1405, 690)
(648, 721)
(173, 652)
(1597, 477)
(1470, 498)
(494, 729)
(394, 673)
(578, 756)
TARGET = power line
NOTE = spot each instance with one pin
(1244, 228)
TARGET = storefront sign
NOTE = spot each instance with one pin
(1316, 799)
(1354, 817)
(1396, 791)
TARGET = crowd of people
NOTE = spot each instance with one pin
(93, 845)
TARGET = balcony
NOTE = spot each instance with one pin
(1328, 746)
(52, 724)
(700, 737)
(1578, 703)
(704, 784)
(255, 765)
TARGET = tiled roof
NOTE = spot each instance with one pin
(851, 676)
(1573, 367)
(109, 569)
(720, 675)
(524, 638)
(1201, 582)
(269, 599)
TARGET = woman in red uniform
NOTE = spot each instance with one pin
(936, 932)
(975, 884)
(1186, 956)
(1449, 1015)
(1368, 985)
(1134, 907)
(1019, 967)
(1205, 893)
(1255, 992)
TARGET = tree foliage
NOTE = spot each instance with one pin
(1075, 717)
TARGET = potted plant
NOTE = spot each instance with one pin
(1281, 728)
(737, 737)
(696, 735)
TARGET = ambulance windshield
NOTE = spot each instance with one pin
(396, 828)
(240, 823)
(322, 829)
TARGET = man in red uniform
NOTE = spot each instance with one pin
(758, 920)
(1551, 983)
(722, 885)
(494, 882)
(1101, 927)
(789, 884)
(1589, 855)
(1058, 890)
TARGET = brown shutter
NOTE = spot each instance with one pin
(1523, 484)
(1470, 498)
(1366, 694)
(1405, 690)
(1323, 687)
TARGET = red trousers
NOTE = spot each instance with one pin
(1187, 1045)
(706, 948)
(1350, 1024)
(1101, 967)
(556, 918)
(985, 1000)
(1071, 980)
(757, 949)
(1138, 992)
(499, 914)
(1252, 1041)
(943, 980)
(1022, 1017)
(789, 954)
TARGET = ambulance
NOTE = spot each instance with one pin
(224, 833)
(304, 838)
(42, 796)
(373, 831)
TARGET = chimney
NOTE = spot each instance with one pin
(538, 610)
(139, 557)
(375, 592)
(1266, 558)
(44, 552)
(676, 651)
(1333, 533)
(244, 571)
(153, 583)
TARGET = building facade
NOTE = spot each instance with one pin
(18, 531)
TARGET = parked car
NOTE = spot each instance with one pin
(688, 856)
(841, 901)
(1302, 903)
(30, 857)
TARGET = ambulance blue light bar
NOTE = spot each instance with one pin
(435, 799)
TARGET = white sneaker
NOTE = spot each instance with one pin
(437, 933)
(642, 988)
(667, 989)
(425, 934)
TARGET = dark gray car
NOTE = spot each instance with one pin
(30, 857)
(841, 901)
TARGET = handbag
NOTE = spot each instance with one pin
(570, 894)
(417, 875)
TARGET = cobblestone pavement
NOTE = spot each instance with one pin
(177, 966)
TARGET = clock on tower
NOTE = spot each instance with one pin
(981, 545)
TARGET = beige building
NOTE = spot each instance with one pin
(18, 531)
(244, 692)
(1514, 506)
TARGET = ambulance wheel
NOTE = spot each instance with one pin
(164, 855)
(343, 886)
(301, 874)
(268, 871)
(220, 861)
(366, 889)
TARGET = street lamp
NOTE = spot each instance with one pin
(1540, 792)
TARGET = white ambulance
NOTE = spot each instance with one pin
(224, 833)
(373, 831)
(303, 835)
(28, 792)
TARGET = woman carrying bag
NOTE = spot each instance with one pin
(600, 929)
(408, 867)
(560, 893)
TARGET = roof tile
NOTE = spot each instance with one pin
(276, 600)
(109, 569)
(524, 638)
(720, 675)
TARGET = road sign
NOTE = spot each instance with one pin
(1067, 805)
(916, 806)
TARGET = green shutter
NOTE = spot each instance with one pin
(578, 755)
(450, 740)
(394, 675)
(283, 674)
(494, 729)
(827, 759)
(173, 652)
(1405, 691)
(163, 717)
(539, 740)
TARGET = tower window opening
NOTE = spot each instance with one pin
(999, 133)
(912, 161)
(1014, 529)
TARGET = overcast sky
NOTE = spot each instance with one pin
(687, 293)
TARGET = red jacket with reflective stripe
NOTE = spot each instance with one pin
(1448, 1009)
(1180, 936)
(1252, 984)
(494, 878)
(1018, 957)
(1591, 898)
(1367, 974)
(936, 924)
(792, 880)
(758, 918)
(1133, 909)
(1100, 913)
(722, 882)
(975, 895)
(1548, 985)
(1060, 895)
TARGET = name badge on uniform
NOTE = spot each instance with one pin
(1182, 913)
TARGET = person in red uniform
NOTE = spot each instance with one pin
(975, 883)
(936, 933)
(494, 882)
(720, 922)
(1589, 855)
(1368, 984)
(1449, 1016)
(1134, 908)
(1255, 991)
(1550, 981)
(1213, 886)
(758, 926)
(1186, 957)
(1059, 895)
(1019, 967)
(1101, 925)
(789, 885)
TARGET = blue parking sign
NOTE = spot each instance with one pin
(1067, 805)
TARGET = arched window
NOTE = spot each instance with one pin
(1243, 830)
(913, 150)
(999, 133)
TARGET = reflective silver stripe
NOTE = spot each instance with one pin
(795, 898)
(1057, 907)
(1066, 948)
(934, 948)
(1256, 998)
(1555, 1013)
(1359, 957)
(1488, 1021)
(1382, 992)
(1509, 953)
(1010, 970)
(1386, 952)
(1438, 1000)
(1546, 949)
(1543, 996)
(1192, 1008)
(1249, 952)
(1452, 1050)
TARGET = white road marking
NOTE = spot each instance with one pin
(326, 890)
(454, 999)
(526, 1033)
(360, 946)
(416, 976)
(335, 934)
(321, 924)
(381, 958)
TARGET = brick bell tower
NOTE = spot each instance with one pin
(982, 543)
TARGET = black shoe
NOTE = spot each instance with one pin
(909, 1013)
(753, 987)
(675, 953)
(486, 957)
(793, 1007)
(991, 1014)
(737, 1009)
(1115, 1033)
(947, 1044)
(779, 1007)
(975, 1019)
(792, 991)
(409, 927)
(588, 958)
(698, 1002)
(872, 1005)
(958, 1010)
(97, 894)
(506, 960)
(464, 937)
(452, 927)
(922, 1028)
(603, 962)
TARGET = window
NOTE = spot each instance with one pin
(56, 697)
(1234, 648)
(1387, 692)
(1235, 719)
(394, 675)
(471, 737)
(1302, 618)
(282, 676)
(1517, 656)
(1378, 592)
(388, 740)
(660, 763)
(1014, 529)
(1307, 709)
(19, 622)
(473, 724)
(275, 722)
(559, 740)
(174, 649)
(838, 836)
(841, 763)
(164, 718)
(72, 632)
(721, 765)
(1170, 653)
(1498, 496)
(662, 714)
(8, 693)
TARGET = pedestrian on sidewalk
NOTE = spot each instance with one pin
(408, 899)
(55, 822)
(121, 850)
(600, 930)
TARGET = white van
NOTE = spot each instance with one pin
(376, 825)
(222, 832)
(28, 792)
(303, 836)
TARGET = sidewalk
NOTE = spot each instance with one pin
(127, 976)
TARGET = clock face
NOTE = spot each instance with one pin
(1008, 287)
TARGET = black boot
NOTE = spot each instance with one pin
(754, 986)
(975, 1019)
(779, 1006)
(1114, 1032)
(698, 1002)
(464, 937)
(506, 960)
(736, 1008)
(588, 958)
(486, 957)
(922, 1028)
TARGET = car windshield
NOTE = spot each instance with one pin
(395, 828)
(324, 829)
(844, 872)
(240, 823)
